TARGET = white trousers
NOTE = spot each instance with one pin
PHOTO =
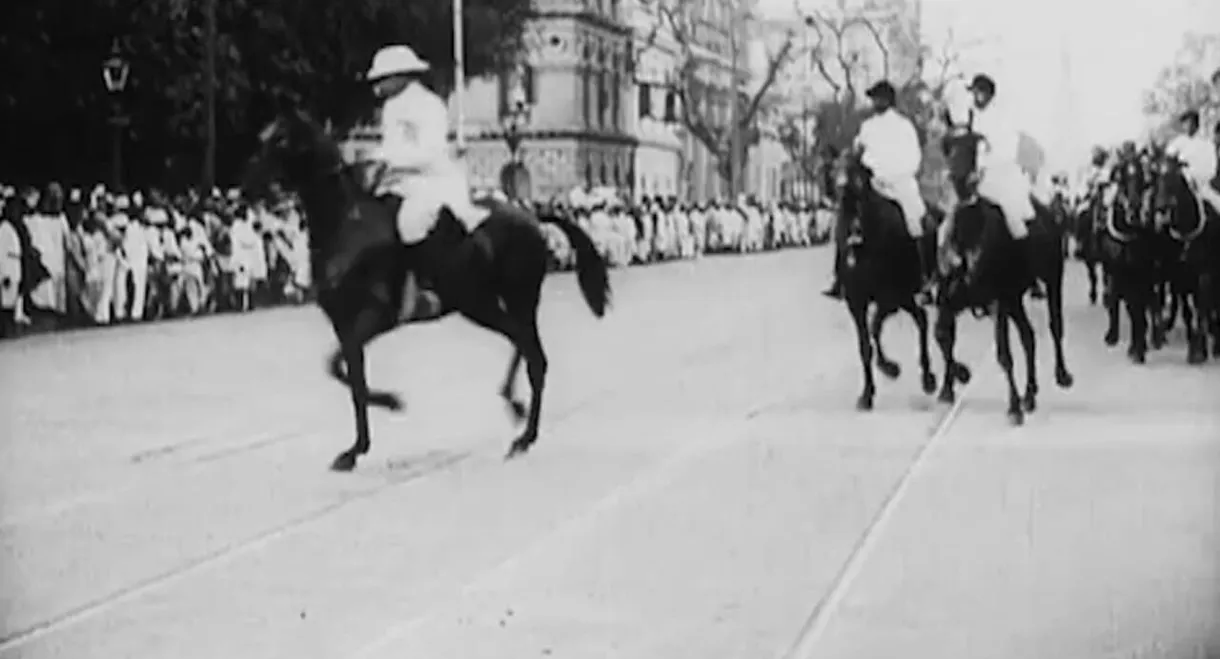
(424, 194)
(905, 191)
(1008, 188)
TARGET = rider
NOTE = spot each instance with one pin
(1001, 179)
(417, 165)
(1199, 157)
(889, 147)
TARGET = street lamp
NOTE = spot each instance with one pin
(115, 71)
(514, 178)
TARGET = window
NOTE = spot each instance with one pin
(586, 96)
(645, 92)
(615, 101)
(603, 101)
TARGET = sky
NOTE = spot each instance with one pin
(1114, 49)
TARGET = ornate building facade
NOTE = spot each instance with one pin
(575, 82)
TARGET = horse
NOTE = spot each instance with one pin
(492, 276)
(996, 275)
(878, 265)
(1086, 229)
(1127, 248)
(1195, 227)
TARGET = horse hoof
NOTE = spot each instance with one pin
(344, 462)
(516, 409)
(1016, 417)
(947, 397)
(1195, 358)
(1111, 339)
(520, 447)
(962, 373)
(1030, 403)
(388, 401)
(929, 382)
(864, 403)
(1064, 379)
(1137, 358)
(890, 370)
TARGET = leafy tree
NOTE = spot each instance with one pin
(723, 118)
(1188, 83)
(269, 53)
(856, 44)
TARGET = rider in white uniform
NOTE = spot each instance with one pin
(889, 146)
(417, 165)
(1198, 155)
(1001, 179)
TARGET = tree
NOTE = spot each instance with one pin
(856, 44)
(270, 53)
(1188, 83)
(722, 115)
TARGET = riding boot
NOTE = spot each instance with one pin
(836, 285)
(925, 248)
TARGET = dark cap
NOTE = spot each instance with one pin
(982, 83)
(884, 91)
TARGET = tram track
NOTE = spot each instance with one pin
(180, 459)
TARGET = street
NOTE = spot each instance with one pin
(703, 487)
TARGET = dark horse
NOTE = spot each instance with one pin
(1127, 247)
(1195, 228)
(879, 266)
(996, 274)
(492, 276)
(1087, 228)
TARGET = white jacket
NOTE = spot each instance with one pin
(1003, 139)
(890, 146)
(1198, 154)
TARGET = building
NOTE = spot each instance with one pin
(575, 81)
(653, 106)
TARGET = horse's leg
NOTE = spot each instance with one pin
(1156, 307)
(1198, 351)
(1025, 332)
(507, 390)
(946, 338)
(524, 336)
(920, 316)
(864, 341)
(1054, 308)
(1137, 312)
(889, 368)
(1111, 297)
(535, 368)
(1090, 266)
(1003, 353)
(353, 356)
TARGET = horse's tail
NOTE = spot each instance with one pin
(591, 270)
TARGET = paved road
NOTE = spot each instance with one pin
(703, 488)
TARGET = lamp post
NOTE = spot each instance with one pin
(514, 177)
(115, 71)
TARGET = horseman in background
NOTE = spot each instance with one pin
(1001, 179)
(888, 145)
(416, 165)
(1198, 156)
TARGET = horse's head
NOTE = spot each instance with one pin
(1170, 184)
(293, 149)
(854, 181)
(1132, 180)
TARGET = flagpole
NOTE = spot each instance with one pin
(459, 75)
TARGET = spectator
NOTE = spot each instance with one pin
(48, 227)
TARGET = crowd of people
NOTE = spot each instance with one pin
(78, 259)
(75, 258)
(662, 229)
